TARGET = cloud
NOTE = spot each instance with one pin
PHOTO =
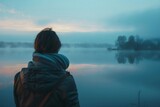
(145, 22)
(7, 12)
(16, 21)
(18, 25)
(31, 26)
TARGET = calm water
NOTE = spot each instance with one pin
(104, 78)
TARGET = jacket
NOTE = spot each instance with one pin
(32, 84)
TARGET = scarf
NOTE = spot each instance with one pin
(51, 61)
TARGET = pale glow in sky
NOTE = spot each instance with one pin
(116, 16)
(30, 26)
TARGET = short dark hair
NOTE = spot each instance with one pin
(47, 41)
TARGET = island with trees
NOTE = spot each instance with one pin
(136, 43)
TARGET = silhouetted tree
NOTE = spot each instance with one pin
(121, 42)
(136, 43)
(139, 41)
(131, 42)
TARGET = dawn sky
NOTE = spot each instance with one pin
(23, 17)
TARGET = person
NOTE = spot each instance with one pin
(45, 82)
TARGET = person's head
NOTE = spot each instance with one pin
(47, 41)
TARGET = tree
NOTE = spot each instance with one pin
(139, 41)
(121, 41)
(131, 42)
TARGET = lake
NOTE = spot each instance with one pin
(104, 78)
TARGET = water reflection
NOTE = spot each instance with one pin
(101, 81)
(135, 57)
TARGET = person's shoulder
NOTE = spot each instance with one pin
(69, 75)
(69, 80)
(16, 75)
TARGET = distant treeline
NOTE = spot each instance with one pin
(136, 43)
(15, 44)
(67, 45)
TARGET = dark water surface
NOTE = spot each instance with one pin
(104, 78)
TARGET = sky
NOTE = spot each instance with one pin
(101, 20)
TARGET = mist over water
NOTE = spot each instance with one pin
(104, 78)
(79, 37)
(87, 30)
